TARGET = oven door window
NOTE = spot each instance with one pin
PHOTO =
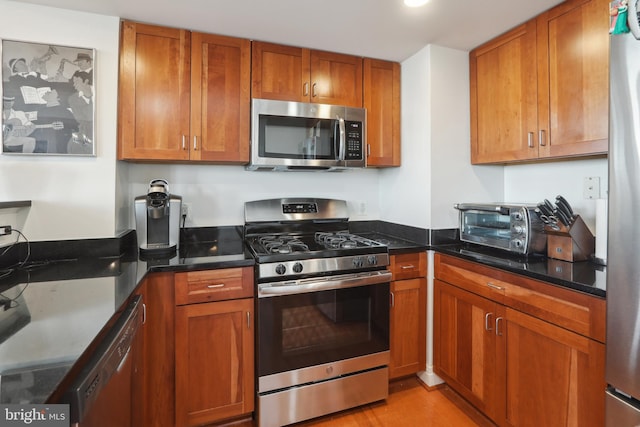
(297, 331)
(298, 138)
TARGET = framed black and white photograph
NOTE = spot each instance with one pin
(48, 99)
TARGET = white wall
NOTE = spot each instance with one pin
(454, 179)
(216, 194)
(436, 170)
(536, 182)
(72, 197)
(405, 192)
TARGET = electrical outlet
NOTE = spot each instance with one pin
(186, 210)
(591, 188)
(5, 229)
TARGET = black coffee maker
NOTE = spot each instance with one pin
(158, 219)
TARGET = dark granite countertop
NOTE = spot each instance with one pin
(583, 276)
(54, 311)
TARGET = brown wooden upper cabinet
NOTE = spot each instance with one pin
(297, 74)
(382, 101)
(541, 90)
(184, 96)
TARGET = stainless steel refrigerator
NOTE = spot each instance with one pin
(623, 257)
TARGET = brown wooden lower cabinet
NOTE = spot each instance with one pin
(517, 368)
(214, 361)
(407, 319)
(198, 347)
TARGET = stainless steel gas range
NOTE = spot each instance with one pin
(322, 310)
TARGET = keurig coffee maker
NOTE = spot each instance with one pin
(158, 220)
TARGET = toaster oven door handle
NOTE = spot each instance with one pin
(323, 283)
(502, 210)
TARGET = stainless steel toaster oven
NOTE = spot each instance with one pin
(514, 228)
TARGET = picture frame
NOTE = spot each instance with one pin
(48, 99)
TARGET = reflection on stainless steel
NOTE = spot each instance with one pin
(623, 269)
(323, 283)
(320, 265)
(315, 399)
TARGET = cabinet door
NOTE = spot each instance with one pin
(408, 327)
(280, 72)
(554, 377)
(573, 62)
(158, 404)
(381, 94)
(336, 79)
(153, 105)
(220, 103)
(504, 98)
(214, 361)
(465, 350)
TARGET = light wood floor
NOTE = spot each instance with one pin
(409, 404)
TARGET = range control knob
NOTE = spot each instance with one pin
(517, 216)
(517, 243)
(297, 267)
(518, 229)
(281, 269)
(372, 260)
(358, 262)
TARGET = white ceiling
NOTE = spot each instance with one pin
(384, 29)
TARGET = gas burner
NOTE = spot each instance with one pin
(275, 244)
(341, 240)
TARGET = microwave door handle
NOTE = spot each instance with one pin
(341, 152)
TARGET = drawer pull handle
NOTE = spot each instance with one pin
(492, 286)
(498, 331)
(393, 299)
(407, 267)
(306, 89)
(248, 320)
(487, 322)
(219, 285)
(184, 143)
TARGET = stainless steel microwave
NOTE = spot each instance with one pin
(304, 136)
(514, 228)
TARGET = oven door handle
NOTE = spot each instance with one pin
(323, 284)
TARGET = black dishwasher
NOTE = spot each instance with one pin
(101, 395)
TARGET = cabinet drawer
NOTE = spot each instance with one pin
(465, 275)
(572, 310)
(408, 266)
(213, 285)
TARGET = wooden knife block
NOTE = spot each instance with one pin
(573, 243)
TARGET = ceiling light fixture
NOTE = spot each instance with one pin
(415, 3)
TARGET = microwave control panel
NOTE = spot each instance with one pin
(354, 144)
